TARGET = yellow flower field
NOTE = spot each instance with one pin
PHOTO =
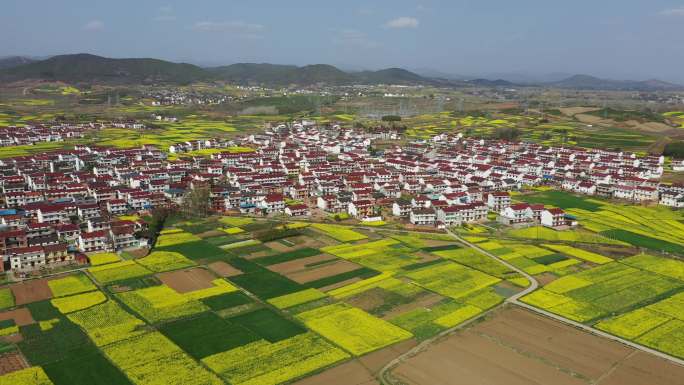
(340, 233)
(118, 271)
(451, 279)
(236, 221)
(264, 363)
(459, 316)
(579, 253)
(6, 298)
(107, 323)
(545, 299)
(30, 376)
(176, 238)
(159, 261)
(70, 285)
(103, 258)
(221, 286)
(158, 303)
(353, 329)
(298, 298)
(668, 337)
(633, 324)
(233, 230)
(152, 359)
(78, 302)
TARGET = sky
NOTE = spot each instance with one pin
(618, 39)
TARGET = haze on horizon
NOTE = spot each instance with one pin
(626, 39)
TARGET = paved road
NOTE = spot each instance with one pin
(386, 378)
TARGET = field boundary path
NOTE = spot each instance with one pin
(386, 378)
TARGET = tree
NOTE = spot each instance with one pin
(674, 149)
(155, 224)
(196, 202)
(507, 133)
(391, 118)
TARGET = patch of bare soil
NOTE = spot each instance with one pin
(571, 111)
(360, 371)
(139, 253)
(648, 126)
(279, 247)
(518, 347)
(427, 257)
(184, 281)
(258, 254)
(425, 301)
(224, 269)
(436, 243)
(324, 271)
(21, 317)
(643, 368)
(340, 284)
(31, 291)
(349, 373)
(308, 241)
(11, 362)
(369, 299)
(378, 359)
(591, 119)
(210, 234)
(290, 267)
(545, 278)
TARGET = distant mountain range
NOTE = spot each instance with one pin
(86, 68)
(586, 82)
(14, 61)
(90, 68)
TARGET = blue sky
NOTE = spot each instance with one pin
(610, 38)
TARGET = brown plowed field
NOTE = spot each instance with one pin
(340, 284)
(11, 362)
(31, 291)
(328, 270)
(300, 264)
(361, 371)
(223, 269)
(21, 317)
(184, 281)
(517, 347)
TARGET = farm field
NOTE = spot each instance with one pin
(515, 346)
(656, 228)
(252, 313)
(638, 298)
(320, 296)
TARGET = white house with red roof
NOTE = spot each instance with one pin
(554, 218)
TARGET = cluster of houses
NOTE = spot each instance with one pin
(31, 134)
(180, 97)
(63, 203)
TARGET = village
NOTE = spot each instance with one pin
(63, 205)
(57, 131)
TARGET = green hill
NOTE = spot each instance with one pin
(95, 69)
(91, 68)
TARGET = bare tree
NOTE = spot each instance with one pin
(196, 202)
